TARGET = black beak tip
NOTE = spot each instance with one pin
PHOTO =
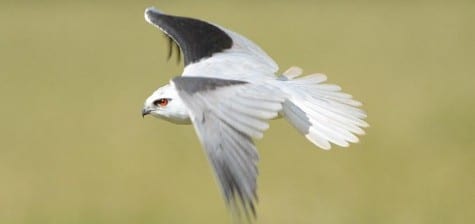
(145, 112)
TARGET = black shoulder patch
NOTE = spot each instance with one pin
(197, 39)
(192, 85)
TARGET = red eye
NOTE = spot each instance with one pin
(161, 102)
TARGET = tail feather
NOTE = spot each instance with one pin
(299, 119)
(321, 111)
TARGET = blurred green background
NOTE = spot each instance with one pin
(75, 149)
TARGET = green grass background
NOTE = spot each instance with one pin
(74, 148)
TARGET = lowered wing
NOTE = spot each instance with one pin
(227, 115)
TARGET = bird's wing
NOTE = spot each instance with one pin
(227, 115)
(210, 50)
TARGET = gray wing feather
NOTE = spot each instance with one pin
(227, 115)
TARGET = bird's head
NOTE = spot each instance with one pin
(166, 104)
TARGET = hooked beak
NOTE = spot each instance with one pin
(145, 111)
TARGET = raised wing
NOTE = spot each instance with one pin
(210, 50)
(197, 39)
(227, 115)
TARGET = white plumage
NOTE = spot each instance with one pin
(229, 90)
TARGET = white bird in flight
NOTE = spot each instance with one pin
(230, 89)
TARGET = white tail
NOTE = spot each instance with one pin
(321, 111)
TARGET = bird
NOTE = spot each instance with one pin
(229, 91)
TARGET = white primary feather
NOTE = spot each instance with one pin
(226, 119)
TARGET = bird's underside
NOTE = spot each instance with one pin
(229, 90)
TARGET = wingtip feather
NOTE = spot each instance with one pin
(149, 12)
